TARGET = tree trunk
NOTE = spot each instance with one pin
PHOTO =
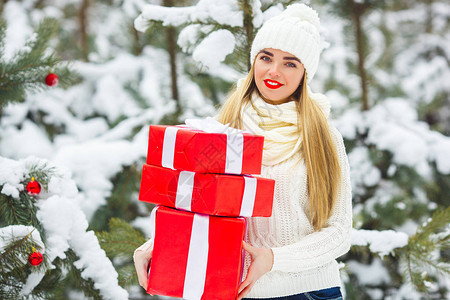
(82, 19)
(172, 49)
(39, 4)
(248, 26)
(2, 4)
(429, 21)
(357, 13)
(137, 47)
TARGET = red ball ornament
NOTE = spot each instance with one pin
(33, 187)
(35, 258)
(51, 79)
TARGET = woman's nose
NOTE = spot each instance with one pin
(274, 70)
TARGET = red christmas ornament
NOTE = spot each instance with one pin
(51, 79)
(33, 187)
(35, 258)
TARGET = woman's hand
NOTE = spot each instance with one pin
(262, 262)
(142, 257)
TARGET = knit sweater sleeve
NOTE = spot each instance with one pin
(326, 245)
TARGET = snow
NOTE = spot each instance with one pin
(11, 177)
(32, 281)
(211, 50)
(381, 242)
(17, 232)
(439, 149)
(109, 88)
(429, 77)
(273, 11)
(188, 37)
(257, 14)
(393, 125)
(226, 73)
(133, 7)
(218, 44)
(214, 48)
(143, 223)
(29, 140)
(16, 18)
(65, 225)
(373, 274)
(406, 291)
(362, 171)
(386, 191)
(93, 163)
(375, 293)
(338, 101)
(10, 190)
(224, 12)
(13, 173)
(174, 16)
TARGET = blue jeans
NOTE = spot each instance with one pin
(333, 293)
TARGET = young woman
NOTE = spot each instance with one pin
(292, 254)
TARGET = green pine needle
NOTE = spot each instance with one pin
(121, 240)
(419, 254)
(25, 72)
(41, 173)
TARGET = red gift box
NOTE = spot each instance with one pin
(188, 149)
(195, 256)
(208, 193)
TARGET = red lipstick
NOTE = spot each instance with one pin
(272, 84)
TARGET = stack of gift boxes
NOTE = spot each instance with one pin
(197, 180)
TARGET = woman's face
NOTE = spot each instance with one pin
(277, 74)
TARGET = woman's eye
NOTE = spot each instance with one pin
(291, 65)
(265, 58)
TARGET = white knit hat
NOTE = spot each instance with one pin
(295, 30)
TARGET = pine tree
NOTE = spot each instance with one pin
(354, 12)
(27, 69)
(24, 229)
(419, 256)
(27, 225)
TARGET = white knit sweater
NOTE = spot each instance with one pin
(304, 260)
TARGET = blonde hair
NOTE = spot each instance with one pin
(318, 148)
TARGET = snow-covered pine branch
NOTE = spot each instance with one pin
(64, 224)
(209, 26)
(393, 125)
(380, 242)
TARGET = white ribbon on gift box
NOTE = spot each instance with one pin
(194, 279)
(248, 199)
(168, 150)
(185, 188)
(235, 142)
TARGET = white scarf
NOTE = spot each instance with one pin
(279, 126)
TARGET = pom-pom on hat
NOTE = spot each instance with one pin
(295, 30)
